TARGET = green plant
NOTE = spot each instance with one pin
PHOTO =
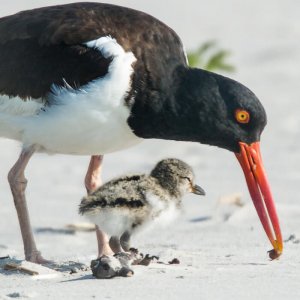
(210, 58)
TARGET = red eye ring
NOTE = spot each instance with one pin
(242, 116)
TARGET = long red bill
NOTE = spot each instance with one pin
(252, 165)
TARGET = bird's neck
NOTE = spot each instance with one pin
(170, 109)
(170, 185)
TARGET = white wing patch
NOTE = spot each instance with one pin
(108, 47)
(90, 120)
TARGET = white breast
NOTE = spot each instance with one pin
(162, 212)
(114, 221)
(92, 120)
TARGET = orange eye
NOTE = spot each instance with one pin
(242, 116)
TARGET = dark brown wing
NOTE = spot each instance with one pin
(45, 46)
(28, 70)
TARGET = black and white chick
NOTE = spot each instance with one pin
(128, 204)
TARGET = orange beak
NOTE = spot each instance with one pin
(251, 162)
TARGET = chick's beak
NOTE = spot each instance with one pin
(251, 162)
(196, 189)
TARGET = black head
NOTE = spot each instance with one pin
(172, 167)
(199, 106)
(222, 112)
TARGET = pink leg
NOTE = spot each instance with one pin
(92, 182)
(18, 184)
(93, 175)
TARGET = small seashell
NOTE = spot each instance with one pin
(274, 254)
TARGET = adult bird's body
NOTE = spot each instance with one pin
(91, 78)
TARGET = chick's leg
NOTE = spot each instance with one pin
(125, 241)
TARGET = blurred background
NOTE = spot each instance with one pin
(261, 40)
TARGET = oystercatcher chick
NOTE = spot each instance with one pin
(129, 204)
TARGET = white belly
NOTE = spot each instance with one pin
(81, 129)
(113, 221)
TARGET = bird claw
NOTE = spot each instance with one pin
(36, 257)
(145, 261)
(134, 250)
(133, 257)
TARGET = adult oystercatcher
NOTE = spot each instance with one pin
(91, 78)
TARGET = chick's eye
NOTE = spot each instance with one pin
(242, 116)
(188, 179)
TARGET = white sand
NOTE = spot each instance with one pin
(219, 259)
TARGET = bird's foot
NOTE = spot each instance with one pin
(145, 260)
(106, 267)
(37, 258)
(66, 267)
(134, 257)
(134, 251)
(131, 257)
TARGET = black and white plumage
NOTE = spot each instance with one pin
(77, 120)
(92, 78)
(72, 73)
(131, 203)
